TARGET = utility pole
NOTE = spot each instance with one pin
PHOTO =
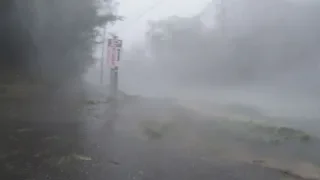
(114, 81)
(102, 55)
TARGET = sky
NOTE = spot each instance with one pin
(272, 75)
(137, 13)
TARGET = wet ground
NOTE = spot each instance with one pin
(115, 142)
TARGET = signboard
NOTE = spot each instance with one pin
(113, 52)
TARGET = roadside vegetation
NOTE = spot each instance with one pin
(289, 150)
(244, 130)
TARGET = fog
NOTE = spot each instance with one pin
(199, 95)
(259, 53)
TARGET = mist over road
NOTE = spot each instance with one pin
(192, 145)
(147, 138)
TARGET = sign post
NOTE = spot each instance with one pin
(102, 57)
(114, 50)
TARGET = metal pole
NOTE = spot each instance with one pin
(114, 82)
(115, 45)
(111, 83)
(102, 55)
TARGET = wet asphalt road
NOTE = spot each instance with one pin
(128, 155)
(131, 160)
(112, 136)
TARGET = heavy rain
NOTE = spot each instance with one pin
(221, 89)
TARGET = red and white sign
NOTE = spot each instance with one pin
(113, 52)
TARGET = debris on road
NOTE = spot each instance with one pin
(81, 157)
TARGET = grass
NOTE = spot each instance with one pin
(96, 102)
(279, 134)
(28, 146)
(247, 131)
(290, 133)
(92, 102)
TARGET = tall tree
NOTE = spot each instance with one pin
(51, 40)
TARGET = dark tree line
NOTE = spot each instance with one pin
(49, 40)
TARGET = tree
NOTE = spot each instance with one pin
(51, 40)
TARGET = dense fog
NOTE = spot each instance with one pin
(262, 53)
(229, 93)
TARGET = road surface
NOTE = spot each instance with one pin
(129, 154)
(115, 145)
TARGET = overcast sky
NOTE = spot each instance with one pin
(132, 28)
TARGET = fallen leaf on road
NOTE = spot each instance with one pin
(82, 157)
(114, 163)
(63, 159)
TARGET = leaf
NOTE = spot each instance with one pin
(82, 157)
(114, 162)
(62, 160)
